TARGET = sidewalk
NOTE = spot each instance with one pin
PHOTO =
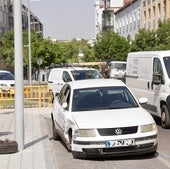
(37, 153)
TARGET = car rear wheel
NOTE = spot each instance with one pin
(165, 118)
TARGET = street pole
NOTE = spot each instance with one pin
(29, 45)
(18, 53)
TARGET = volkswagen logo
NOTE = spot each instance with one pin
(118, 131)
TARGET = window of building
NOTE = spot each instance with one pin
(164, 7)
(154, 13)
(149, 14)
(144, 16)
(159, 10)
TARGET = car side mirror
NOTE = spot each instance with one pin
(64, 105)
(143, 100)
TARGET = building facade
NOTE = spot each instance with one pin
(98, 17)
(152, 11)
(127, 19)
(7, 18)
(7, 22)
(4, 17)
(135, 15)
(110, 6)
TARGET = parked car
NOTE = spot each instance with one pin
(6, 81)
(117, 69)
(101, 117)
(59, 76)
(148, 74)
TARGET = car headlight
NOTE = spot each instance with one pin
(148, 128)
(85, 133)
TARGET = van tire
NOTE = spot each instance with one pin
(165, 118)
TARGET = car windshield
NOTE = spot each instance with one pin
(6, 76)
(167, 64)
(102, 98)
(86, 74)
(121, 66)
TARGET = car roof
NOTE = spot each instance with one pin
(5, 71)
(73, 68)
(88, 83)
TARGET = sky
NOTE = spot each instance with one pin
(65, 19)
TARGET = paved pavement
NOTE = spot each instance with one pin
(37, 152)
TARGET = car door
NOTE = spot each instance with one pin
(157, 89)
(62, 108)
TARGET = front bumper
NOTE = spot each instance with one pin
(143, 145)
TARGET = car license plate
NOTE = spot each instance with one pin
(120, 143)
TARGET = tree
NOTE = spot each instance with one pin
(7, 48)
(144, 40)
(163, 35)
(111, 46)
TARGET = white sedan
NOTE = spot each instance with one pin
(102, 118)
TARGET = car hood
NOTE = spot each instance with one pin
(112, 118)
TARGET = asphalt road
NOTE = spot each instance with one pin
(161, 160)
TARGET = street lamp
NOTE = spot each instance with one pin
(29, 42)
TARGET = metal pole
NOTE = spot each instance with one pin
(29, 44)
(19, 99)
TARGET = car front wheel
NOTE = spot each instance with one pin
(165, 118)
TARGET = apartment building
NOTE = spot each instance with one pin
(4, 17)
(134, 15)
(127, 19)
(110, 6)
(7, 18)
(99, 7)
(7, 22)
(152, 11)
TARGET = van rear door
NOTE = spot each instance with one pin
(55, 81)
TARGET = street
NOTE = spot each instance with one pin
(161, 160)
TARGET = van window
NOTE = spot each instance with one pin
(167, 64)
(157, 68)
(66, 77)
(86, 74)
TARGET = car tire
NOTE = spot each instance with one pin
(70, 141)
(165, 118)
(151, 154)
(8, 146)
(54, 131)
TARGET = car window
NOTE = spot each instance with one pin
(64, 96)
(6, 76)
(102, 98)
(66, 77)
(86, 74)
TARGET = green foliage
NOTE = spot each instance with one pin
(153, 40)
(7, 49)
(111, 46)
(144, 40)
(108, 46)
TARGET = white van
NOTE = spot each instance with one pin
(6, 80)
(61, 75)
(148, 75)
(117, 69)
